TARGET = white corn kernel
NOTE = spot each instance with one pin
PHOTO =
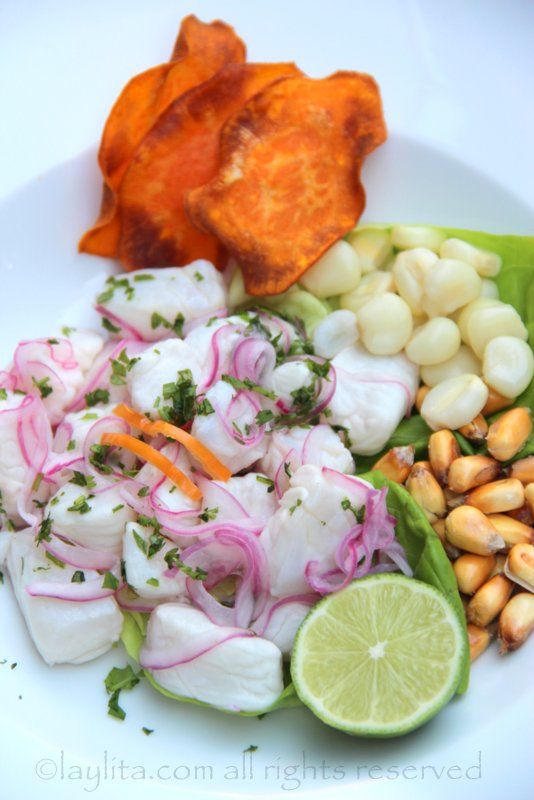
(486, 264)
(463, 316)
(434, 342)
(337, 271)
(373, 248)
(371, 285)
(451, 284)
(385, 324)
(455, 402)
(405, 237)
(508, 365)
(409, 271)
(463, 362)
(487, 323)
(489, 289)
(335, 332)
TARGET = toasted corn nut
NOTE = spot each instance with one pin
(397, 463)
(420, 396)
(523, 470)
(469, 471)
(507, 436)
(516, 622)
(512, 530)
(452, 552)
(476, 430)
(472, 571)
(519, 566)
(479, 639)
(453, 499)
(489, 600)
(469, 529)
(529, 497)
(497, 497)
(500, 562)
(495, 402)
(442, 450)
(523, 515)
(426, 491)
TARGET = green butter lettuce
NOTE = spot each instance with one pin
(424, 551)
(516, 286)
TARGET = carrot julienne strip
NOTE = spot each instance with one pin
(215, 468)
(154, 457)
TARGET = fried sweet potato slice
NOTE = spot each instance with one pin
(201, 49)
(289, 183)
(181, 152)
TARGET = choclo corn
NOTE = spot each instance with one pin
(385, 324)
(486, 264)
(420, 396)
(409, 270)
(508, 365)
(529, 497)
(426, 491)
(397, 463)
(489, 289)
(335, 332)
(489, 322)
(476, 430)
(434, 342)
(489, 600)
(451, 284)
(469, 529)
(404, 237)
(523, 470)
(372, 246)
(500, 562)
(495, 402)
(498, 496)
(513, 531)
(469, 471)
(454, 402)
(519, 566)
(462, 363)
(443, 449)
(371, 285)
(452, 552)
(516, 622)
(479, 639)
(336, 272)
(463, 316)
(472, 571)
(507, 435)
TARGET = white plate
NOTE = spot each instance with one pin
(55, 738)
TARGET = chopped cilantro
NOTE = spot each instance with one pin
(66, 330)
(248, 385)
(294, 508)
(204, 407)
(143, 492)
(110, 581)
(182, 396)
(71, 445)
(359, 513)
(153, 582)
(264, 416)
(251, 748)
(78, 577)
(55, 560)
(147, 731)
(45, 529)
(98, 396)
(267, 481)
(3, 394)
(118, 679)
(120, 367)
(287, 469)
(109, 326)
(177, 326)
(208, 514)
(80, 505)
(43, 385)
(143, 277)
(113, 284)
(117, 508)
(199, 277)
(37, 482)
(173, 559)
(79, 479)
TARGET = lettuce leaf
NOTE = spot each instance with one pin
(516, 286)
(424, 551)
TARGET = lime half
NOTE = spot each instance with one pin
(380, 657)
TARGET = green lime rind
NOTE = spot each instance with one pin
(379, 658)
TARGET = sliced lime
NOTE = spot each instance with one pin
(380, 657)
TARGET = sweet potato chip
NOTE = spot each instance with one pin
(200, 51)
(182, 152)
(289, 183)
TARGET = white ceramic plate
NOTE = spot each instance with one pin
(57, 739)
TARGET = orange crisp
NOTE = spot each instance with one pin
(289, 182)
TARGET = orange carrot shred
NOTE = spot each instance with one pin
(154, 457)
(209, 461)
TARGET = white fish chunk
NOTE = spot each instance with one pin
(282, 624)
(185, 293)
(146, 574)
(87, 345)
(308, 526)
(158, 366)
(249, 492)
(372, 395)
(211, 431)
(319, 445)
(241, 674)
(63, 631)
(100, 527)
